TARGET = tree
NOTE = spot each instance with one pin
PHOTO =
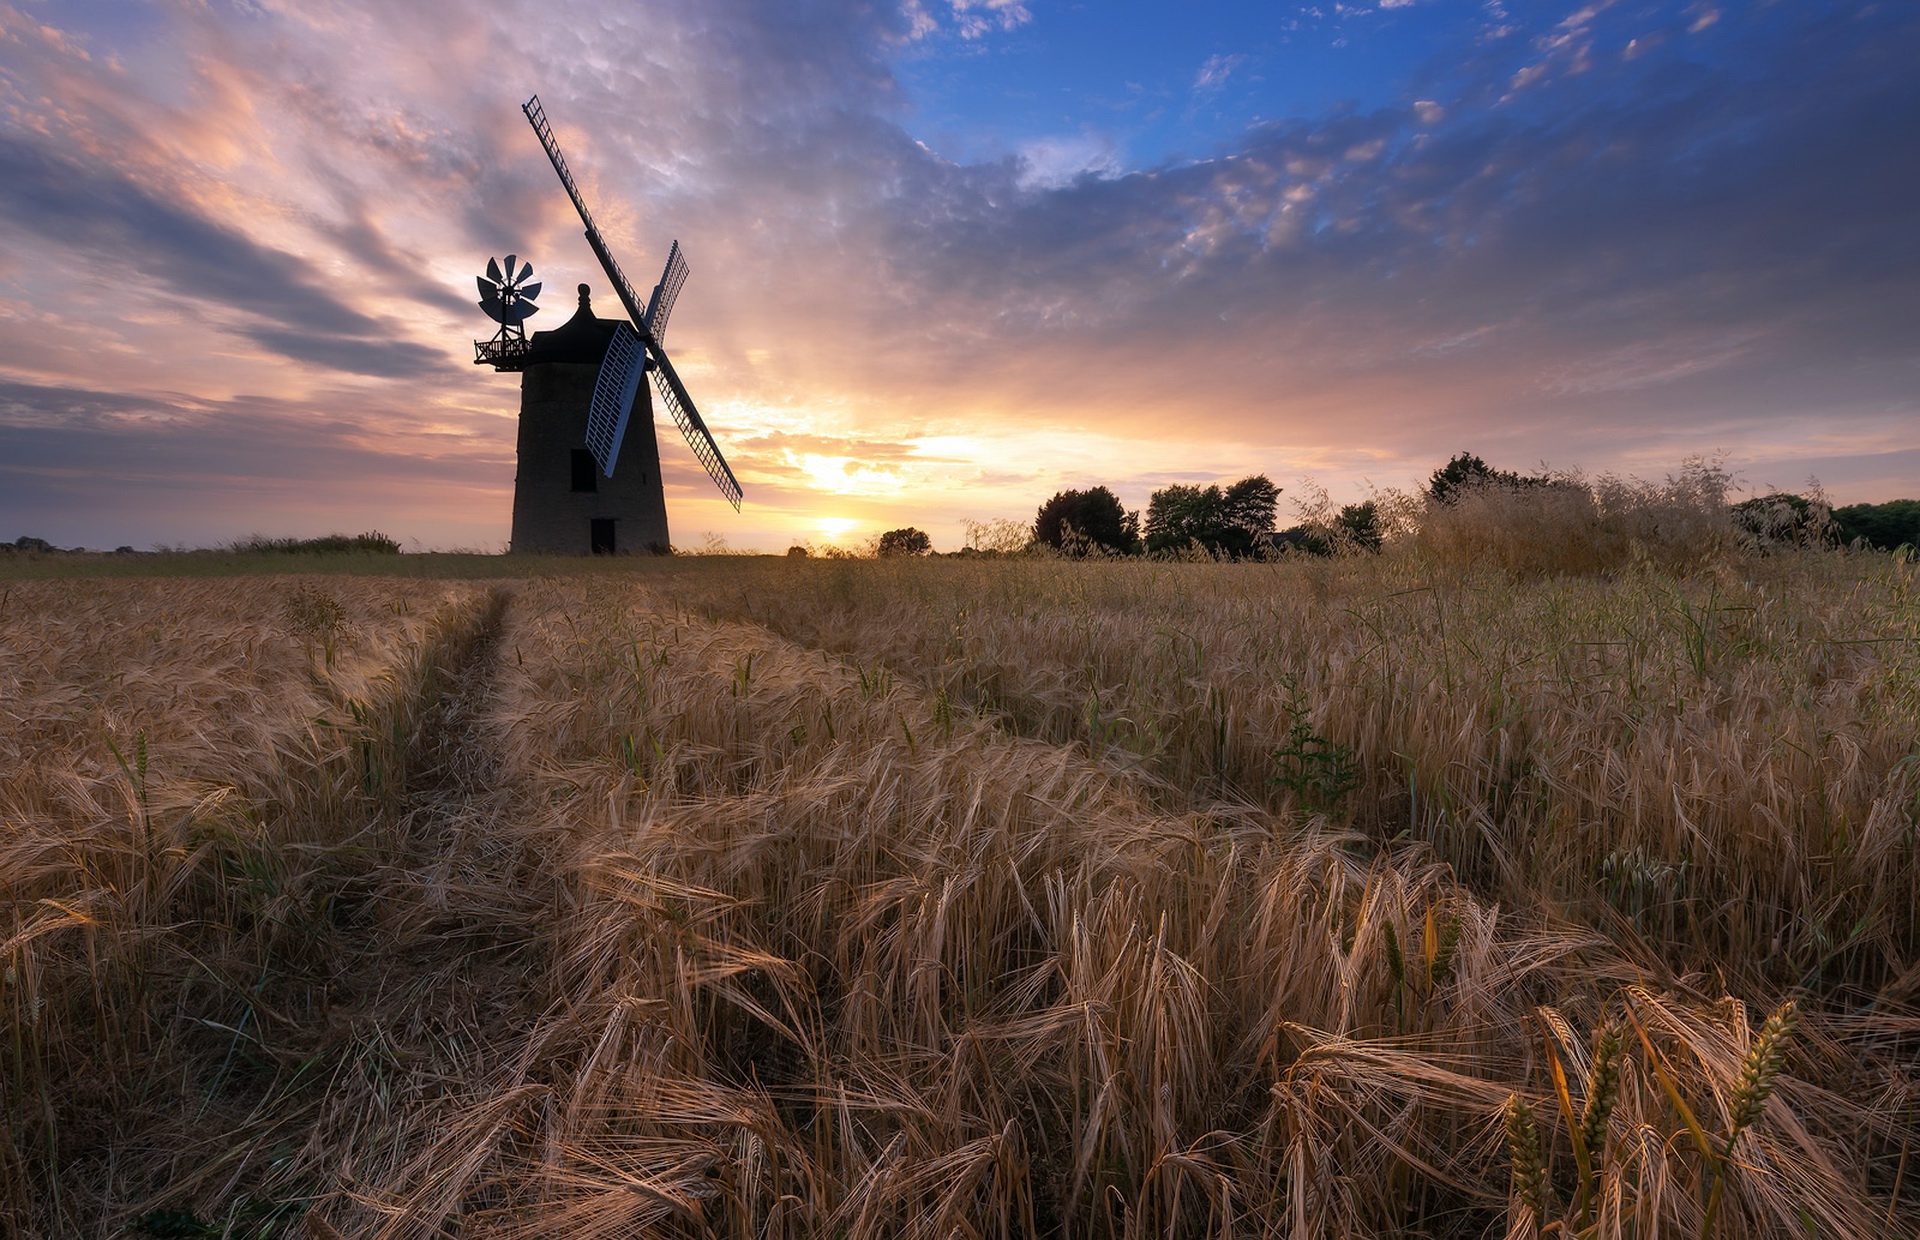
(1466, 472)
(1232, 522)
(905, 542)
(1247, 514)
(1883, 526)
(1358, 525)
(1076, 522)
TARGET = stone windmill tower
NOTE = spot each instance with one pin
(580, 392)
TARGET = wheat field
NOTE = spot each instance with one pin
(1366, 896)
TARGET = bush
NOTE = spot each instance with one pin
(1783, 519)
(371, 543)
(1077, 522)
(1564, 526)
(999, 536)
(908, 541)
(1357, 528)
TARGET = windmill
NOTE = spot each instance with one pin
(589, 470)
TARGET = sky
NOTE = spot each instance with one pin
(950, 256)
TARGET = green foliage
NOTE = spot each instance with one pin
(1466, 472)
(371, 543)
(1234, 522)
(316, 618)
(1077, 522)
(1319, 772)
(908, 541)
(1358, 526)
(1884, 527)
(247, 1218)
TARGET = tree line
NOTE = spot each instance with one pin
(1239, 520)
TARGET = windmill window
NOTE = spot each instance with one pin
(586, 475)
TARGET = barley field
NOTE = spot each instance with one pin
(1370, 896)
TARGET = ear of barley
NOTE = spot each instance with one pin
(1523, 1150)
(1603, 1090)
(1759, 1070)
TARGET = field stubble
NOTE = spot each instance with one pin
(763, 898)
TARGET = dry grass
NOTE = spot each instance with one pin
(785, 898)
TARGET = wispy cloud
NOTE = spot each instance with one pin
(1215, 71)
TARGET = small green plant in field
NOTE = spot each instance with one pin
(316, 618)
(249, 1217)
(1316, 770)
(1639, 884)
(136, 773)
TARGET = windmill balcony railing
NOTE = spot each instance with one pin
(498, 351)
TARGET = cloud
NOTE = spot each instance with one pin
(1214, 73)
(136, 236)
(1651, 239)
(98, 468)
(1050, 163)
(979, 17)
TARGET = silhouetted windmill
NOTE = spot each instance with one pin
(579, 389)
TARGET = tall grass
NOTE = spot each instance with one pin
(1567, 526)
(186, 782)
(875, 899)
(1722, 765)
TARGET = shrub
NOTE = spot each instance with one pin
(999, 536)
(908, 541)
(1563, 525)
(1467, 472)
(1782, 519)
(370, 543)
(1357, 527)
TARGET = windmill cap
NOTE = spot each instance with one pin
(581, 339)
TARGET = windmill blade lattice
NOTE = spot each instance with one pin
(665, 293)
(674, 394)
(613, 393)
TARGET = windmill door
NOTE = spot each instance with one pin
(602, 535)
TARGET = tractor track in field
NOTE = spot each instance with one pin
(431, 985)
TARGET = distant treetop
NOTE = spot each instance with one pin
(1076, 522)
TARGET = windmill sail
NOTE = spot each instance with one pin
(674, 394)
(685, 416)
(665, 293)
(613, 394)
